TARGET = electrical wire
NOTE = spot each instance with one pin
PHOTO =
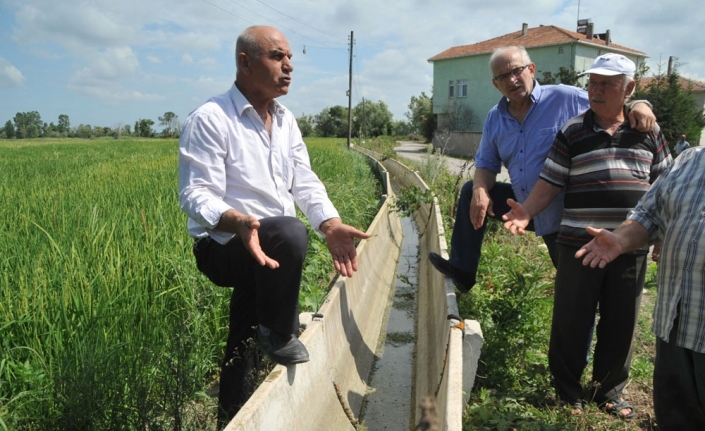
(316, 44)
(292, 18)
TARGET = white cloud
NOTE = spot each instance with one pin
(73, 28)
(196, 41)
(109, 65)
(186, 58)
(10, 76)
(115, 94)
(208, 63)
(187, 47)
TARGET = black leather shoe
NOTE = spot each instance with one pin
(462, 280)
(283, 349)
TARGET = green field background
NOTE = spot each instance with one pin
(105, 323)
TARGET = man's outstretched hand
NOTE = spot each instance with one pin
(246, 226)
(603, 249)
(517, 219)
(340, 239)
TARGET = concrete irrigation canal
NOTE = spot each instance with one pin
(384, 343)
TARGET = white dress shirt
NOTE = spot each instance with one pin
(228, 160)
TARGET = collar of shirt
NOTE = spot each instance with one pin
(589, 121)
(241, 103)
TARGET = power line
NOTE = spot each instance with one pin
(291, 17)
(316, 44)
(227, 11)
(270, 20)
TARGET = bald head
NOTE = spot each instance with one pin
(264, 66)
(248, 42)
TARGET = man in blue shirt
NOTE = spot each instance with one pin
(518, 133)
(681, 145)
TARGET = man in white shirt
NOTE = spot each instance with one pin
(243, 167)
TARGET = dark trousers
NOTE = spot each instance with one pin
(466, 241)
(578, 291)
(261, 296)
(679, 386)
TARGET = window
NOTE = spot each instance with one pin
(462, 86)
(451, 89)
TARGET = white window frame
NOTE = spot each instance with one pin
(451, 89)
(461, 86)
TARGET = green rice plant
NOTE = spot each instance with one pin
(383, 145)
(105, 322)
(356, 193)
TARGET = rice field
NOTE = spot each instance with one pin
(105, 322)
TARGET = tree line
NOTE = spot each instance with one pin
(674, 105)
(29, 125)
(369, 119)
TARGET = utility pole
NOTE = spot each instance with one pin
(352, 41)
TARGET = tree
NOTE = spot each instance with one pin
(84, 131)
(28, 125)
(421, 116)
(401, 128)
(564, 76)
(305, 123)
(332, 122)
(372, 119)
(170, 122)
(9, 130)
(64, 125)
(143, 128)
(458, 116)
(126, 129)
(674, 105)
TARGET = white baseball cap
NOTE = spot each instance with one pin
(610, 65)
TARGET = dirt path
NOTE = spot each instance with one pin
(418, 152)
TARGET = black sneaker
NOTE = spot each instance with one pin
(462, 280)
(283, 349)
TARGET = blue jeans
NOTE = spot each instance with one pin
(466, 241)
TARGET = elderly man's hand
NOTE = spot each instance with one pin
(480, 207)
(603, 249)
(517, 219)
(642, 118)
(245, 227)
(340, 239)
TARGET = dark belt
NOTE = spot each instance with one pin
(201, 241)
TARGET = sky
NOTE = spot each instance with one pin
(108, 63)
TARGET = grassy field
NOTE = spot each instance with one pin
(105, 323)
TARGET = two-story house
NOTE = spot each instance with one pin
(462, 78)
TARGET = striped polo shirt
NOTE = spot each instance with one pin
(603, 175)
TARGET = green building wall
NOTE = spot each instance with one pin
(482, 95)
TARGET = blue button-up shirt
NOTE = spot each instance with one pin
(523, 148)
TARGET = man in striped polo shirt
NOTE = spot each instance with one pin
(604, 166)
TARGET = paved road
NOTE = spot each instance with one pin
(418, 152)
